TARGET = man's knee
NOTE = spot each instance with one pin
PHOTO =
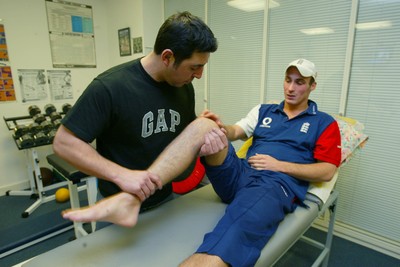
(204, 124)
(205, 260)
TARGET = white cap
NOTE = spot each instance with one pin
(305, 67)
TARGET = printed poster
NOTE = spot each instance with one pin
(60, 84)
(7, 90)
(71, 34)
(3, 44)
(33, 84)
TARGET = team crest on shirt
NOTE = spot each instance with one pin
(304, 127)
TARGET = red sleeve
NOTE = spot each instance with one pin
(328, 147)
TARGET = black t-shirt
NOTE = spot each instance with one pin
(132, 117)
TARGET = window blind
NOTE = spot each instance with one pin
(235, 69)
(315, 30)
(371, 184)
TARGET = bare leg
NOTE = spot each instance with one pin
(122, 208)
(178, 155)
(204, 260)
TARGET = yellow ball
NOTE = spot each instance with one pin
(62, 195)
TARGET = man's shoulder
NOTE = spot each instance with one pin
(325, 116)
(121, 68)
(269, 106)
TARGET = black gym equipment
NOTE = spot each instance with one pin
(55, 116)
(49, 108)
(35, 129)
(57, 123)
(31, 131)
(28, 132)
(41, 138)
(66, 107)
(46, 126)
(20, 130)
(39, 118)
(33, 110)
(25, 141)
(51, 135)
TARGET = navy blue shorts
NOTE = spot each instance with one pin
(257, 202)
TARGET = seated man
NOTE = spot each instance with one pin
(293, 144)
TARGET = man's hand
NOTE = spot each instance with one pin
(313, 172)
(263, 162)
(214, 142)
(140, 183)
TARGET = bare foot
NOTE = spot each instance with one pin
(122, 209)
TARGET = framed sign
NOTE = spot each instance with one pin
(124, 38)
(71, 34)
(137, 45)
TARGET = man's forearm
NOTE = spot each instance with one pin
(234, 132)
(84, 157)
(314, 172)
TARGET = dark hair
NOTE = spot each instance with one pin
(185, 34)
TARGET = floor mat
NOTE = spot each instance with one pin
(45, 219)
(23, 233)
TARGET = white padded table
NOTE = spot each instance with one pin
(167, 235)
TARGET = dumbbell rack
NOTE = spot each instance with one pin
(37, 190)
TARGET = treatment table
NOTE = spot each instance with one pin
(167, 235)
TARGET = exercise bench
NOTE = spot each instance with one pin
(73, 178)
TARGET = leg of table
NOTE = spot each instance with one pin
(75, 203)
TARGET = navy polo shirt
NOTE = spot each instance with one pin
(296, 140)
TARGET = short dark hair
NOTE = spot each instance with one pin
(185, 34)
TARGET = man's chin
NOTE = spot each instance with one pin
(182, 84)
(291, 101)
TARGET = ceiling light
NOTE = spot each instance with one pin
(316, 31)
(252, 5)
(374, 25)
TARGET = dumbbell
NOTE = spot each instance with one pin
(26, 141)
(55, 116)
(34, 110)
(40, 138)
(39, 118)
(34, 128)
(46, 126)
(51, 135)
(49, 108)
(57, 123)
(20, 130)
(66, 107)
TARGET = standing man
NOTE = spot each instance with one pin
(136, 109)
(293, 144)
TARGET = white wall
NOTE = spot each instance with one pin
(153, 11)
(122, 14)
(26, 29)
